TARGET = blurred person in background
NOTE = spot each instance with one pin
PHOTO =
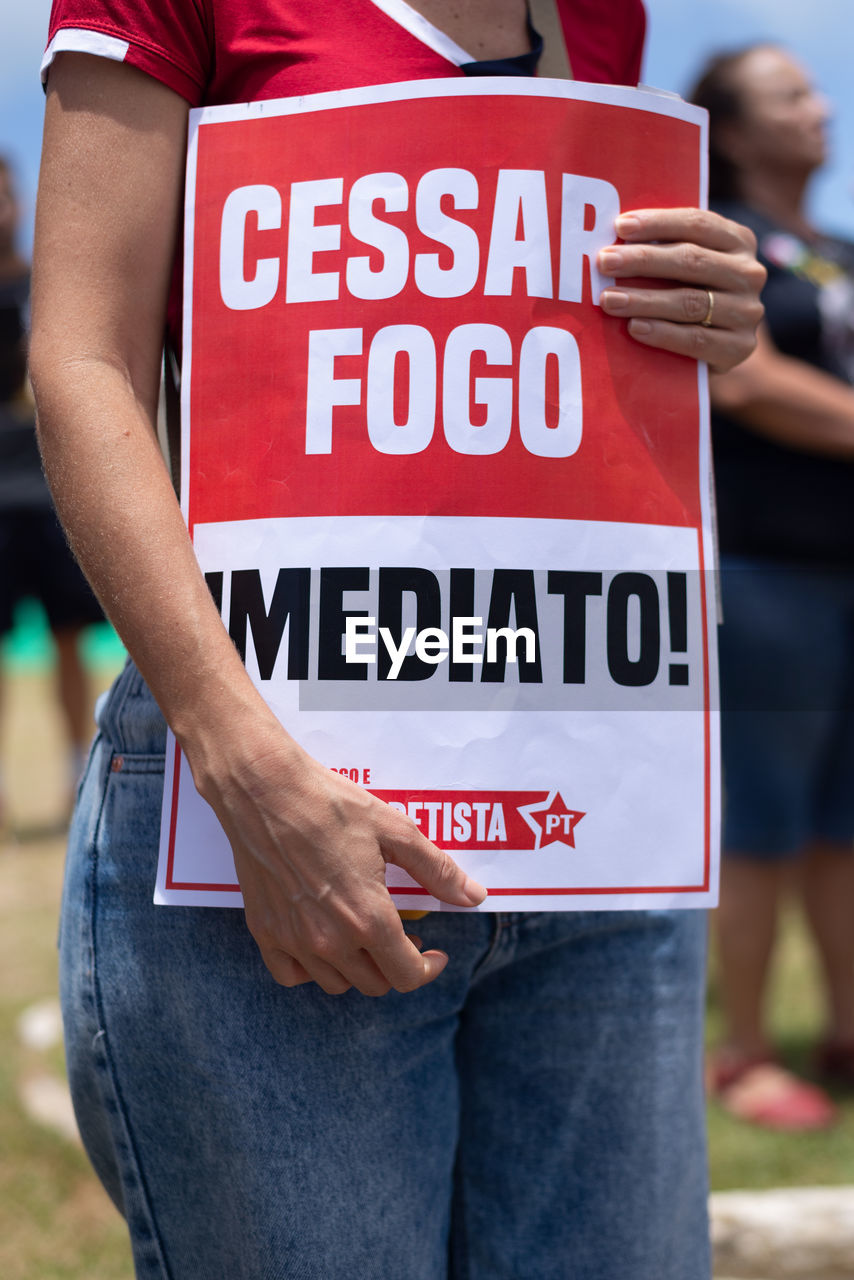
(783, 434)
(34, 557)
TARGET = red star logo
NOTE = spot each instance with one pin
(551, 821)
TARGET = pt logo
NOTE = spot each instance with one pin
(511, 821)
(551, 821)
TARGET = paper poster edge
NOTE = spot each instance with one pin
(187, 312)
(699, 900)
(161, 892)
(639, 99)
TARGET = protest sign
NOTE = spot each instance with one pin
(455, 520)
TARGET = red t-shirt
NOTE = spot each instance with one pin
(218, 51)
(215, 51)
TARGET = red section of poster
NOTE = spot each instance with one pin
(448, 168)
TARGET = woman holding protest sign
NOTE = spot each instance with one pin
(783, 434)
(525, 1098)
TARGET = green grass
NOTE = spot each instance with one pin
(55, 1221)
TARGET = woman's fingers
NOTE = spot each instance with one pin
(410, 969)
(682, 306)
(697, 226)
(287, 971)
(394, 961)
(682, 263)
(432, 868)
(719, 348)
(711, 309)
(355, 970)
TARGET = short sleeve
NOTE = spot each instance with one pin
(605, 42)
(168, 39)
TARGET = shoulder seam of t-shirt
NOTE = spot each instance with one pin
(106, 44)
(417, 25)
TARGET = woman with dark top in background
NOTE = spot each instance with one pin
(783, 436)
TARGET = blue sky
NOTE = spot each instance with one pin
(681, 34)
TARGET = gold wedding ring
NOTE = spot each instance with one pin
(706, 321)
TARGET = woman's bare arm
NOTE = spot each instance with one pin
(310, 847)
(789, 401)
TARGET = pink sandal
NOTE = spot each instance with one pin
(761, 1092)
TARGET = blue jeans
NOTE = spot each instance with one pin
(535, 1113)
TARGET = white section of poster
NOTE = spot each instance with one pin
(634, 760)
